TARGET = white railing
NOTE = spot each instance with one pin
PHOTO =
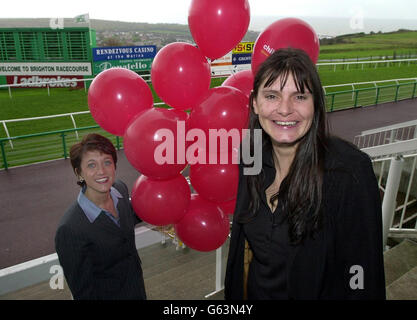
(223, 71)
(372, 58)
(395, 148)
(387, 135)
(363, 63)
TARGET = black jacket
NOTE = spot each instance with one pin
(351, 235)
(99, 259)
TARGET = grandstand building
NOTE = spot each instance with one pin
(33, 51)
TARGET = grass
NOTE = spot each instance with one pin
(356, 74)
(374, 45)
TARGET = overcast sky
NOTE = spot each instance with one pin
(176, 11)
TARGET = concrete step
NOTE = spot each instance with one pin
(399, 260)
(404, 288)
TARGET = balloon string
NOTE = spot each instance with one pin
(169, 231)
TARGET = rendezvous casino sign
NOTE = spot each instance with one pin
(135, 58)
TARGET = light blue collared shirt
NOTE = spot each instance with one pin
(92, 211)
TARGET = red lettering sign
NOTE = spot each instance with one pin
(43, 81)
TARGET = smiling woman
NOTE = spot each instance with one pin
(313, 213)
(95, 240)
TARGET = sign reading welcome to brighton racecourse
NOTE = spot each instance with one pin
(238, 59)
(45, 68)
(136, 58)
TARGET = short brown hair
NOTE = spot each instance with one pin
(91, 142)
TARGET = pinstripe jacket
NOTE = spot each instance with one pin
(99, 259)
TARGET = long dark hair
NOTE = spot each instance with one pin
(300, 192)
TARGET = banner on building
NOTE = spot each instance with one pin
(124, 53)
(45, 68)
(40, 81)
(244, 47)
(134, 65)
(238, 59)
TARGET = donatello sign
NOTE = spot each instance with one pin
(134, 65)
(136, 58)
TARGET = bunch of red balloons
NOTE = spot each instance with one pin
(161, 142)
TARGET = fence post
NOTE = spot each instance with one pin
(64, 145)
(7, 133)
(356, 98)
(331, 108)
(414, 90)
(390, 195)
(396, 92)
(3, 154)
(75, 126)
(377, 95)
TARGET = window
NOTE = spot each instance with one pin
(52, 46)
(7, 47)
(77, 45)
(29, 46)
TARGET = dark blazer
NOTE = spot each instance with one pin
(99, 259)
(351, 235)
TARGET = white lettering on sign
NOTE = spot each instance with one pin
(41, 81)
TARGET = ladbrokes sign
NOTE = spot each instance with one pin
(40, 81)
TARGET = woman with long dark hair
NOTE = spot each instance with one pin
(309, 225)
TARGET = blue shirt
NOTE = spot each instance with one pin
(92, 211)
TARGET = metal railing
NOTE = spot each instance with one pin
(347, 64)
(387, 135)
(371, 96)
(393, 150)
(45, 146)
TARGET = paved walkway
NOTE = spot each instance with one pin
(33, 198)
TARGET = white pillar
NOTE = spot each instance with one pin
(219, 282)
(391, 190)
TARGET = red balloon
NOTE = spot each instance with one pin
(116, 96)
(217, 26)
(227, 207)
(284, 33)
(204, 227)
(180, 75)
(215, 182)
(151, 139)
(242, 80)
(226, 111)
(161, 202)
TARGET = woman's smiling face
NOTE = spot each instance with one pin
(98, 171)
(285, 113)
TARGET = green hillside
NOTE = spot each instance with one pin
(375, 45)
